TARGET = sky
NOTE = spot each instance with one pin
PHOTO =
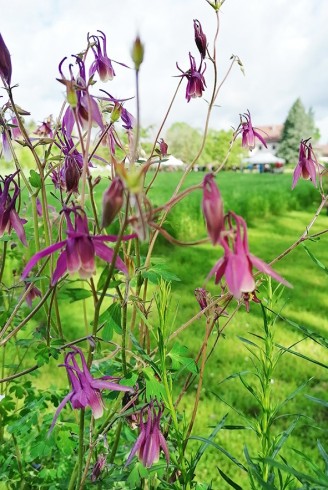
(282, 45)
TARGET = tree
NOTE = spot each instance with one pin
(184, 142)
(298, 125)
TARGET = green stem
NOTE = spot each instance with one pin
(116, 442)
(3, 260)
(81, 448)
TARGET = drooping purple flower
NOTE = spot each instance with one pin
(248, 132)
(80, 101)
(98, 467)
(195, 79)
(32, 294)
(86, 390)
(112, 201)
(44, 130)
(307, 167)
(68, 176)
(212, 205)
(5, 62)
(79, 249)
(200, 38)
(237, 263)
(150, 440)
(119, 111)
(102, 64)
(9, 218)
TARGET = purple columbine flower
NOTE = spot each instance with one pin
(86, 390)
(79, 249)
(307, 166)
(32, 294)
(44, 130)
(80, 101)
(150, 440)
(8, 215)
(68, 176)
(98, 467)
(102, 64)
(212, 208)
(5, 62)
(237, 263)
(200, 38)
(248, 133)
(196, 82)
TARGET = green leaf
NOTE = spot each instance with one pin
(315, 260)
(201, 450)
(179, 358)
(74, 294)
(35, 179)
(283, 438)
(112, 320)
(255, 472)
(220, 448)
(157, 272)
(229, 481)
(324, 455)
(154, 388)
(317, 400)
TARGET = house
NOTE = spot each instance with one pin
(272, 135)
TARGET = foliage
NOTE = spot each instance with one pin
(299, 125)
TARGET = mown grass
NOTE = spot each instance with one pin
(276, 218)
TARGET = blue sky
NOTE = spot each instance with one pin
(282, 44)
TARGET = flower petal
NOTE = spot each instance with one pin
(107, 254)
(40, 255)
(61, 268)
(59, 409)
(266, 269)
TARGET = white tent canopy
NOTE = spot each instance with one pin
(263, 158)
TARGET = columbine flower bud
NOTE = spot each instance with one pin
(202, 297)
(200, 38)
(212, 209)
(137, 53)
(116, 112)
(5, 62)
(163, 147)
(112, 201)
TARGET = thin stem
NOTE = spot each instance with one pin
(4, 253)
(81, 447)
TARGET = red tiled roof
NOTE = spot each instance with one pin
(271, 134)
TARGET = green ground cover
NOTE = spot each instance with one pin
(276, 218)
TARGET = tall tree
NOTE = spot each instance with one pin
(298, 125)
(184, 141)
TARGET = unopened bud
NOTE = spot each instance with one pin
(201, 296)
(137, 53)
(116, 112)
(72, 175)
(200, 38)
(5, 62)
(112, 201)
(163, 147)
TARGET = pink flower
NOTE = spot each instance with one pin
(307, 166)
(86, 390)
(151, 439)
(212, 208)
(237, 263)
(79, 249)
(249, 134)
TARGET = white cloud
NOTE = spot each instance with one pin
(281, 45)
